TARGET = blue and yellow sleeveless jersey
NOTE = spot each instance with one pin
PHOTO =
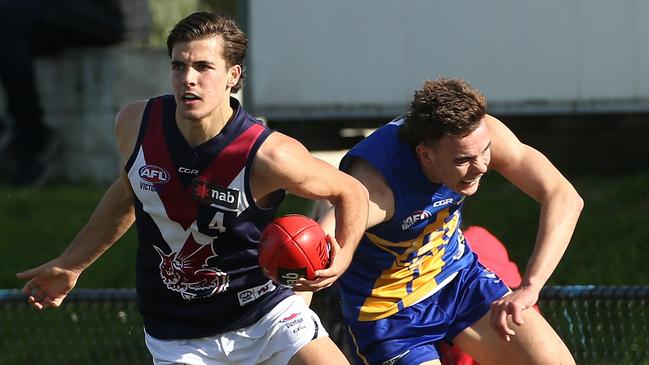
(418, 251)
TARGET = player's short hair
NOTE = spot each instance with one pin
(203, 25)
(445, 106)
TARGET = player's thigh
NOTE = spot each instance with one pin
(296, 337)
(321, 351)
(535, 342)
(185, 352)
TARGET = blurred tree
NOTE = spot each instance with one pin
(166, 13)
(230, 7)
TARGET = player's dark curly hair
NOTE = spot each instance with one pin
(203, 25)
(446, 106)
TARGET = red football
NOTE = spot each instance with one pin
(293, 246)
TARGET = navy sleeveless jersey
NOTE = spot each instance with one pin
(414, 254)
(198, 226)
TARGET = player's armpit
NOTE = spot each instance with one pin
(381, 198)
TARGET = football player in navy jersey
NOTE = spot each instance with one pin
(201, 179)
(413, 281)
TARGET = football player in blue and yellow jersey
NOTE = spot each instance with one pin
(413, 281)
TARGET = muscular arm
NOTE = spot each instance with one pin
(561, 205)
(284, 163)
(49, 283)
(381, 199)
(380, 209)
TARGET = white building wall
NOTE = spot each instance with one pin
(366, 57)
(82, 90)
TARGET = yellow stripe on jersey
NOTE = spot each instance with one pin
(391, 288)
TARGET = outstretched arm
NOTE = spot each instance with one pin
(48, 284)
(560, 203)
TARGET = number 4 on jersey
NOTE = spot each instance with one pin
(217, 222)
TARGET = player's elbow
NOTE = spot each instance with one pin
(573, 200)
(360, 191)
(565, 196)
(355, 195)
(579, 203)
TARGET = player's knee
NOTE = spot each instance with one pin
(540, 341)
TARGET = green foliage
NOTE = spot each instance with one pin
(166, 13)
(609, 246)
(38, 224)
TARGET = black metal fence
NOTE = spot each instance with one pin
(91, 327)
(600, 324)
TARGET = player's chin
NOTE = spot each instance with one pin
(189, 112)
(189, 115)
(467, 188)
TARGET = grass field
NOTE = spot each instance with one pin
(609, 247)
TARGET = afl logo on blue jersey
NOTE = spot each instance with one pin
(153, 174)
(415, 217)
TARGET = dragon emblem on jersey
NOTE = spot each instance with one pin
(187, 272)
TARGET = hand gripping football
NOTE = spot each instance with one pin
(293, 246)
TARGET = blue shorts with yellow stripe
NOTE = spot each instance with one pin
(410, 336)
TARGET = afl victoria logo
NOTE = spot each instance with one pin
(153, 174)
(415, 217)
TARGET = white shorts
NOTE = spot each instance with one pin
(273, 340)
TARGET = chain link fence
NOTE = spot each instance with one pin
(602, 325)
(91, 327)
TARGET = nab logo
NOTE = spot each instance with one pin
(153, 174)
(415, 217)
(212, 194)
(289, 277)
